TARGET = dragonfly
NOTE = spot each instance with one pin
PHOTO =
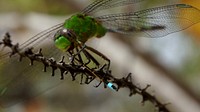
(75, 31)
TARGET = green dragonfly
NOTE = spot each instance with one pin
(75, 31)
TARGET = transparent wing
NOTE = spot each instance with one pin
(20, 82)
(154, 22)
(46, 34)
(37, 40)
(18, 79)
(99, 5)
(33, 41)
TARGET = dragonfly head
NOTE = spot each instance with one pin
(63, 39)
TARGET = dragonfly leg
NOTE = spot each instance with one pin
(89, 79)
(80, 59)
(101, 55)
(96, 86)
(75, 55)
(78, 51)
(71, 57)
(81, 78)
(73, 75)
(91, 58)
(79, 56)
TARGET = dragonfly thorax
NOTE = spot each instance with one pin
(77, 30)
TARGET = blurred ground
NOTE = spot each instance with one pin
(177, 53)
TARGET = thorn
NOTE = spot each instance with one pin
(14, 49)
(62, 59)
(148, 85)
(7, 41)
(20, 58)
(73, 75)
(66, 72)
(62, 74)
(29, 51)
(162, 107)
(52, 64)
(144, 94)
(45, 64)
(7, 34)
(39, 53)
(81, 79)
(128, 78)
(45, 68)
(132, 91)
(32, 60)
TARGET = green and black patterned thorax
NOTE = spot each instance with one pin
(77, 30)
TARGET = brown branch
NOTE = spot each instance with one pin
(154, 63)
(82, 69)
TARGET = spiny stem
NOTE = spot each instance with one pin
(83, 69)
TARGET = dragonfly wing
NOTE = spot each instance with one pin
(99, 5)
(35, 41)
(19, 80)
(46, 34)
(154, 22)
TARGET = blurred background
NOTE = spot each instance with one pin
(171, 65)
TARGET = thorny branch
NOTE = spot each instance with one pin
(83, 70)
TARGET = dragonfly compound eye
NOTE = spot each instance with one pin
(56, 35)
(61, 40)
(67, 34)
